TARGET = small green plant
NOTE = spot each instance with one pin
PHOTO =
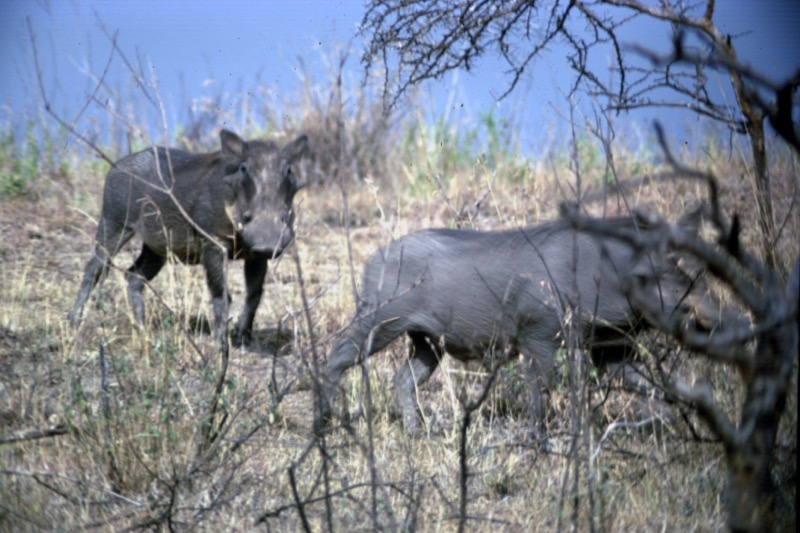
(19, 162)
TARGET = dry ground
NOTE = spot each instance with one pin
(83, 451)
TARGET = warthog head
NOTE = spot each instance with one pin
(260, 189)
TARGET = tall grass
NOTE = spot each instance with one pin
(100, 424)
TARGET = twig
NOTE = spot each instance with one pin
(37, 434)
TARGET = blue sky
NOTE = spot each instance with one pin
(245, 43)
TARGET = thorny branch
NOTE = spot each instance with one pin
(423, 40)
(418, 40)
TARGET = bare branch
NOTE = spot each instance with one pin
(422, 40)
(763, 354)
(35, 435)
(704, 400)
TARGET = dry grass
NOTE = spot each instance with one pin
(124, 453)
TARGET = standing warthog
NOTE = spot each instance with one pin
(236, 202)
(475, 294)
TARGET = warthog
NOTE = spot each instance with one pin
(236, 202)
(475, 294)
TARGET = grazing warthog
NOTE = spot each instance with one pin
(475, 294)
(236, 202)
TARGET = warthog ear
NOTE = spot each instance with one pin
(232, 144)
(296, 149)
(291, 153)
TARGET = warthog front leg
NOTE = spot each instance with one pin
(214, 263)
(255, 271)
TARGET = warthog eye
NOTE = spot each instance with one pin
(243, 168)
(247, 217)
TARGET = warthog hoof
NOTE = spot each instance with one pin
(241, 340)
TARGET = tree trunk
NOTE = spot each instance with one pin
(754, 124)
(751, 492)
(763, 195)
